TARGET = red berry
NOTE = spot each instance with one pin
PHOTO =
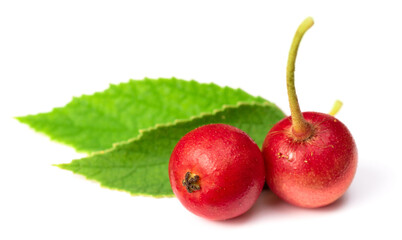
(310, 158)
(217, 171)
(313, 172)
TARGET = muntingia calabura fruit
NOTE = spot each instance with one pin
(217, 171)
(310, 158)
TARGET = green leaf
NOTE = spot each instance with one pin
(94, 122)
(140, 166)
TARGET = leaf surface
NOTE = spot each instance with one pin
(94, 122)
(140, 166)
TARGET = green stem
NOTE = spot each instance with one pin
(335, 109)
(300, 127)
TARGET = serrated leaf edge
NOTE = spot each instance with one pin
(137, 138)
(20, 118)
(214, 112)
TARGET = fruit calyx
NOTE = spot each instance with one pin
(301, 129)
(191, 182)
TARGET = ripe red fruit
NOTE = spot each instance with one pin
(311, 172)
(217, 171)
(310, 158)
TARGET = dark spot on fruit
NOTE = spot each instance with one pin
(191, 183)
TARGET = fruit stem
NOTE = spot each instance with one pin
(301, 129)
(335, 109)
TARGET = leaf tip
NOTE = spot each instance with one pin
(25, 120)
(65, 166)
(20, 118)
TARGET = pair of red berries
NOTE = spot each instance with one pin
(217, 171)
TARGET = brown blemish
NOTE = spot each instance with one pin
(191, 182)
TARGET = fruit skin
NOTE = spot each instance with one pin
(314, 172)
(230, 169)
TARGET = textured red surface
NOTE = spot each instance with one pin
(230, 167)
(315, 172)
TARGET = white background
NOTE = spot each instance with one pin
(51, 51)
